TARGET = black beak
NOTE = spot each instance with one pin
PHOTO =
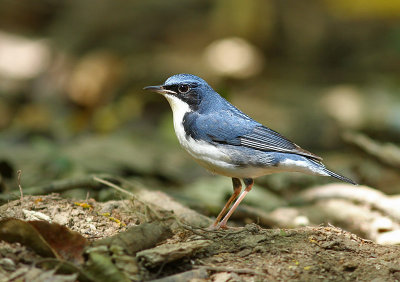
(159, 89)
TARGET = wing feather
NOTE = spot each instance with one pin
(217, 127)
(265, 139)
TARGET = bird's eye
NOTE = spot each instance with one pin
(183, 88)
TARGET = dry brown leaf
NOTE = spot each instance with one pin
(46, 239)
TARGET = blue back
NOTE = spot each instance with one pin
(217, 121)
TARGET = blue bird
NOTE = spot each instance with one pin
(228, 142)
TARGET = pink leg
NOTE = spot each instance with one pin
(249, 184)
(237, 187)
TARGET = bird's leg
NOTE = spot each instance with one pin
(249, 184)
(237, 187)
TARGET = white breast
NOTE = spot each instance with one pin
(207, 155)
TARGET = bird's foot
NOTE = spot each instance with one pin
(218, 226)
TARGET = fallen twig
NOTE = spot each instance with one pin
(228, 269)
(19, 172)
(120, 189)
(58, 186)
(112, 185)
(170, 252)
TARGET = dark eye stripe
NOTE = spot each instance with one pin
(175, 87)
(172, 88)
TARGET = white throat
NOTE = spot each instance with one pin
(207, 155)
(179, 109)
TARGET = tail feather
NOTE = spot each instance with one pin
(340, 177)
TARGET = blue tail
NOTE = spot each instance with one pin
(340, 177)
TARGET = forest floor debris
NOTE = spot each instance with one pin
(248, 253)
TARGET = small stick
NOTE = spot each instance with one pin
(55, 187)
(112, 185)
(119, 189)
(158, 216)
(228, 269)
(87, 197)
(19, 172)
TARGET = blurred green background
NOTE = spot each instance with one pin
(72, 73)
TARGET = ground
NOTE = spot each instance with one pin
(145, 242)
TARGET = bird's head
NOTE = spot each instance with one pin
(186, 88)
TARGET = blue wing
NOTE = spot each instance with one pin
(235, 128)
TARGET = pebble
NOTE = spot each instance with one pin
(222, 277)
(34, 215)
(217, 260)
(7, 264)
(61, 218)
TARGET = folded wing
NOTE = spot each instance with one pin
(265, 139)
(235, 128)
